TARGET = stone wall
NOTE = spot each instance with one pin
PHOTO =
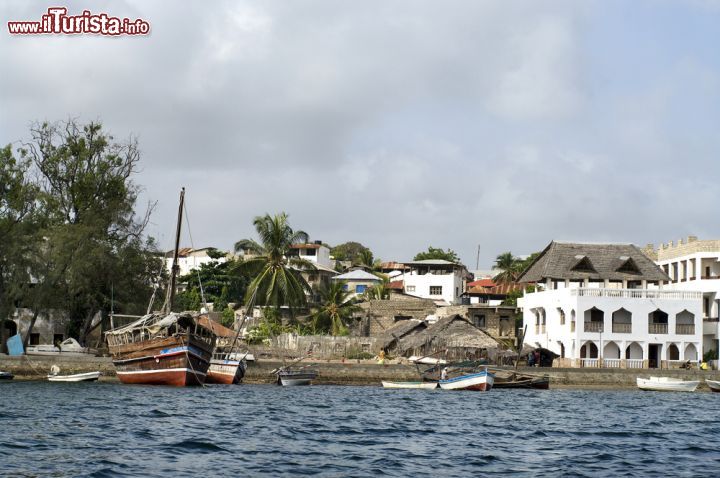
(492, 316)
(671, 250)
(380, 315)
(325, 347)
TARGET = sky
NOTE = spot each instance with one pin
(501, 125)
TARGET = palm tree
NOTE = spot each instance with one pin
(366, 260)
(510, 267)
(332, 316)
(276, 277)
(380, 291)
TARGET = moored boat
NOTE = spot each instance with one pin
(481, 381)
(714, 385)
(518, 380)
(67, 348)
(416, 385)
(163, 349)
(225, 370)
(6, 375)
(296, 377)
(667, 384)
(78, 377)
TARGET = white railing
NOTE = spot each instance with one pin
(636, 293)
(634, 363)
(611, 363)
(589, 362)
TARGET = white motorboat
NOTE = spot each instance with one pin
(714, 385)
(67, 348)
(667, 384)
(78, 377)
(479, 381)
(426, 360)
(6, 375)
(416, 385)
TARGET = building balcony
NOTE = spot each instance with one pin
(621, 328)
(637, 293)
(657, 328)
(593, 326)
(685, 329)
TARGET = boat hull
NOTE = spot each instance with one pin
(714, 385)
(78, 377)
(542, 383)
(666, 384)
(226, 372)
(411, 385)
(6, 376)
(480, 382)
(177, 361)
(296, 379)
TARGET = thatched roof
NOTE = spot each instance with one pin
(452, 332)
(400, 330)
(572, 260)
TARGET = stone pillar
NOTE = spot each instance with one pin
(643, 284)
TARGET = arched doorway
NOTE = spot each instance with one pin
(691, 353)
(611, 351)
(634, 352)
(672, 352)
(589, 350)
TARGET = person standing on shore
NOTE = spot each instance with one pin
(443, 374)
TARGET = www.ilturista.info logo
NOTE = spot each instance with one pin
(58, 22)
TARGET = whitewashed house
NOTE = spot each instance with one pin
(190, 259)
(315, 252)
(605, 305)
(436, 279)
(694, 265)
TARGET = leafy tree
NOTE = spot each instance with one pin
(276, 277)
(511, 267)
(349, 251)
(335, 310)
(222, 283)
(437, 253)
(513, 296)
(17, 223)
(379, 291)
(365, 259)
(90, 241)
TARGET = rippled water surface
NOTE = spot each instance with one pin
(108, 429)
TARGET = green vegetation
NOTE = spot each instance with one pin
(276, 278)
(511, 267)
(67, 220)
(437, 253)
(335, 310)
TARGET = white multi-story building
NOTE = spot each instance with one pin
(694, 264)
(190, 259)
(606, 305)
(315, 252)
(435, 279)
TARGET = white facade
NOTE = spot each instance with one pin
(436, 280)
(695, 265)
(317, 253)
(189, 260)
(613, 327)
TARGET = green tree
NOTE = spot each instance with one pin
(379, 291)
(336, 308)
(349, 251)
(90, 242)
(222, 283)
(437, 253)
(511, 267)
(276, 277)
(18, 196)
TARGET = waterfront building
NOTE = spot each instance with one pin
(606, 305)
(693, 264)
(436, 279)
(190, 259)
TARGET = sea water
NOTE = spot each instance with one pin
(108, 429)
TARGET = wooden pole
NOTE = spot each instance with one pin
(173, 273)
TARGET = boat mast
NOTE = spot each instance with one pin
(173, 273)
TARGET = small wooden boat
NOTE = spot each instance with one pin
(517, 380)
(6, 375)
(478, 381)
(667, 384)
(78, 377)
(714, 385)
(225, 370)
(293, 378)
(417, 385)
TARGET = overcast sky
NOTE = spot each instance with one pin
(399, 124)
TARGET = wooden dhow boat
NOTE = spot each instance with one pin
(166, 348)
(713, 385)
(520, 380)
(667, 384)
(228, 364)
